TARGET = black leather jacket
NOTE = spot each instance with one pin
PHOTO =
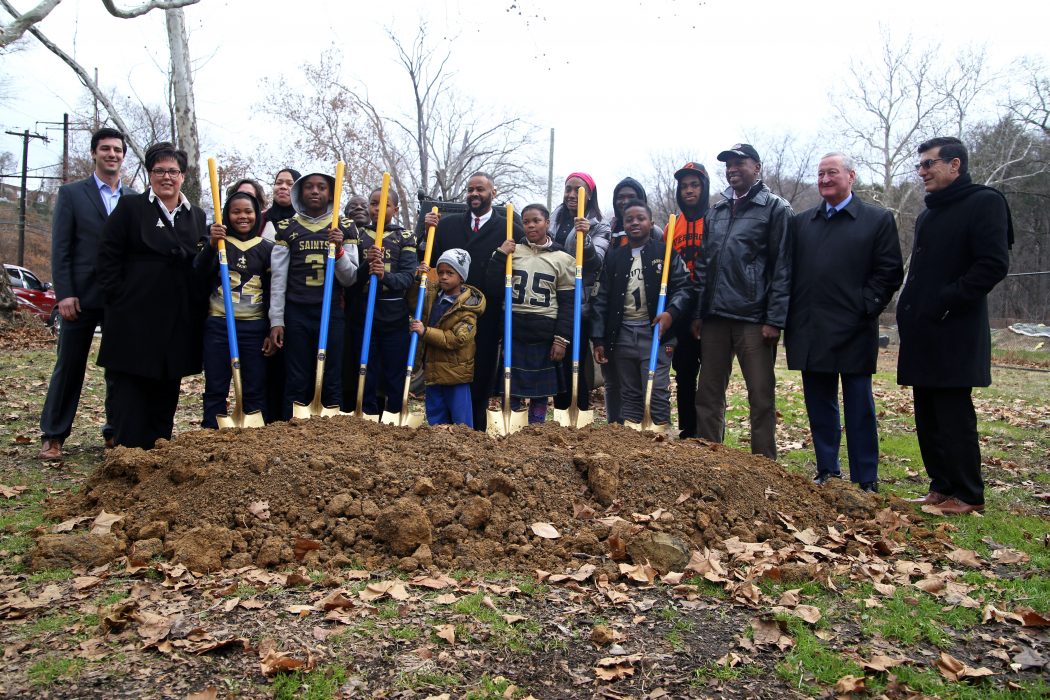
(743, 270)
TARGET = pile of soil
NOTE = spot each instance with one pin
(25, 332)
(344, 492)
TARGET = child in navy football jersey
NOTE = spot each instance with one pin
(248, 257)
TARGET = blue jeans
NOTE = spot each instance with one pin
(449, 404)
(217, 372)
(302, 327)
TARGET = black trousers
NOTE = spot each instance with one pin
(686, 364)
(487, 359)
(143, 409)
(946, 426)
(67, 379)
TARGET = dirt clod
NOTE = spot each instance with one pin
(66, 551)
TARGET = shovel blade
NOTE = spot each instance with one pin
(301, 410)
(633, 426)
(498, 423)
(226, 422)
(573, 419)
(253, 420)
(412, 420)
(245, 420)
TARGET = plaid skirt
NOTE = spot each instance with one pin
(532, 373)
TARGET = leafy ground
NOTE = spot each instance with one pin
(907, 605)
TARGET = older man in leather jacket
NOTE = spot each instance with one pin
(743, 274)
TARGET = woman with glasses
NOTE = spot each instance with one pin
(155, 304)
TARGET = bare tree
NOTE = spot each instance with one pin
(24, 21)
(181, 77)
(789, 166)
(433, 150)
(327, 123)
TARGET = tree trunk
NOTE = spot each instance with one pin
(185, 110)
(8, 303)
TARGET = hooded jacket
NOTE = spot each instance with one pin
(689, 226)
(299, 257)
(595, 248)
(617, 238)
(743, 270)
(249, 265)
(448, 354)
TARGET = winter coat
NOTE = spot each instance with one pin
(449, 345)
(595, 248)
(743, 270)
(607, 306)
(155, 301)
(844, 271)
(960, 253)
(399, 274)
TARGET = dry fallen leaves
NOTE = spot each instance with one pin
(955, 670)
(850, 684)
(446, 632)
(546, 531)
(104, 523)
(612, 668)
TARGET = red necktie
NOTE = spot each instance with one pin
(477, 220)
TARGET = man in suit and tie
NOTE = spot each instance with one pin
(846, 265)
(479, 231)
(76, 225)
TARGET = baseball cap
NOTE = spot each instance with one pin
(692, 167)
(740, 150)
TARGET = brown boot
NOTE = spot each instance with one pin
(953, 506)
(51, 450)
(930, 499)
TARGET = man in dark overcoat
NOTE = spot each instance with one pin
(960, 252)
(76, 225)
(846, 265)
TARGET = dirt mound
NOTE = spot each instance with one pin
(25, 332)
(342, 492)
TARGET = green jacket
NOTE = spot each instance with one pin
(449, 346)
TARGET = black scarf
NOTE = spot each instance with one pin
(960, 189)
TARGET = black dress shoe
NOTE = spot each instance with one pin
(870, 487)
(824, 477)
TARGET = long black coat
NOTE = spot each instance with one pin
(960, 254)
(843, 273)
(154, 300)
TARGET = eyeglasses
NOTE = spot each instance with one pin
(170, 172)
(928, 163)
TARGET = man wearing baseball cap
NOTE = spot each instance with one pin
(743, 277)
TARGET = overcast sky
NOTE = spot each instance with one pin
(618, 80)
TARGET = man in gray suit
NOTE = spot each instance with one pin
(76, 225)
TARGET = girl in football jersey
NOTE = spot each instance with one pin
(542, 298)
(248, 257)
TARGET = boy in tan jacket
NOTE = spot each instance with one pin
(451, 309)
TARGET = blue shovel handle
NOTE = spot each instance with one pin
(227, 302)
(326, 302)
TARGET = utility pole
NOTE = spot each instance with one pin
(550, 172)
(65, 148)
(22, 197)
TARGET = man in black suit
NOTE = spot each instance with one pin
(80, 213)
(479, 231)
(846, 265)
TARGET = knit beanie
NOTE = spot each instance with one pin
(458, 259)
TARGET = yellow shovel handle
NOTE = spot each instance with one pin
(213, 176)
(581, 207)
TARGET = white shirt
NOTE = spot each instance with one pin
(480, 220)
(183, 204)
(110, 197)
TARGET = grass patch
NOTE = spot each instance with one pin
(811, 661)
(492, 688)
(912, 616)
(416, 680)
(319, 684)
(49, 576)
(47, 671)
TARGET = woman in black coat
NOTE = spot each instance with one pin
(154, 301)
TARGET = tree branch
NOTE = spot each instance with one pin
(10, 33)
(142, 9)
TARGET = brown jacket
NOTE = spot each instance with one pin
(449, 346)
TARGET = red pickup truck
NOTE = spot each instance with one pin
(34, 296)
